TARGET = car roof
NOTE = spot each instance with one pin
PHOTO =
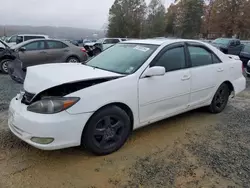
(33, 40)
(159, 41)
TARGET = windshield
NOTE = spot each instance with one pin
(123, 58)
(221, 41)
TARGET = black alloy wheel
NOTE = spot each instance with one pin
(220, 99)
(107, 130)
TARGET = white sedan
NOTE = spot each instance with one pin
(130, 85)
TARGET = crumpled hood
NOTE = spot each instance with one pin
(42, 77)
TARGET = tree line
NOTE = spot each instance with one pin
(183, 18)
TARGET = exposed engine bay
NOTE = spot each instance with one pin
(63, 90)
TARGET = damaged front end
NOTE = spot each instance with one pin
(62, 90)
(93, 49)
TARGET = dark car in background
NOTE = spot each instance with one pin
(228, 45)
(42, 51)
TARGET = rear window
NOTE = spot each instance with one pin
(246, 48)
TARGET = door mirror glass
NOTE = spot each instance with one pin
(155, 71)
(22, 49)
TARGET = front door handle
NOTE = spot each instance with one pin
(185, 77)
(43, 52)
(220, 70)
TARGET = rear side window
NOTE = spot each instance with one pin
(199, 56)
(172, 59)
(37, 45)
(56, 45)
(33, 37)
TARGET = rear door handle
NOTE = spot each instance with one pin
(43, 52)
(220, 70)
(185, 77)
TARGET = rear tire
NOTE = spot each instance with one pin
(106, 131)
(73, 60)
(220, 99)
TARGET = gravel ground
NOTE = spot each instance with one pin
(195, 149)
(8, 89)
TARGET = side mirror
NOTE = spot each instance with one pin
(154, 71)
(22, 49)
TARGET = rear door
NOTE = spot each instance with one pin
(57, 51)
(34, 54)
(207, 71)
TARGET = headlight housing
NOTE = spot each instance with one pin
(52, 105)
(248, 63)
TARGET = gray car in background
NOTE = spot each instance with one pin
(42, 51)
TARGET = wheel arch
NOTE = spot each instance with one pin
(230, 86)
(11, 57)
(74, 56)
(121, 105)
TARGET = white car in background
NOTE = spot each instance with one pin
(16, 39)
(130, 85)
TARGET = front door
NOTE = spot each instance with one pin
(162, 96)
(33, 54)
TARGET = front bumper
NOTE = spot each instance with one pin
(65, 129)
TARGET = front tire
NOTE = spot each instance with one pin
(4, 66)
(220, 99)
(107, 131)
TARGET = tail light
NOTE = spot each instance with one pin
(83, 50)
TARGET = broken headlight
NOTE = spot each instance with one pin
(52, 105)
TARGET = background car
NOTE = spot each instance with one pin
(16, 39)
(6, 55)
(228, 45)
(41, 51)
(94, 48)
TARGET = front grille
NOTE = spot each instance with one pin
(27, 98)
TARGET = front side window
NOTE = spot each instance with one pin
(38, 45)
(199, 56)
(56, 45)
(19, 39)
(13, 39)
(172, 59)
(123, 58)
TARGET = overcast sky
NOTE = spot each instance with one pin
(73, 13)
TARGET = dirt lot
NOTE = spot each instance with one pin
(195, 149)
